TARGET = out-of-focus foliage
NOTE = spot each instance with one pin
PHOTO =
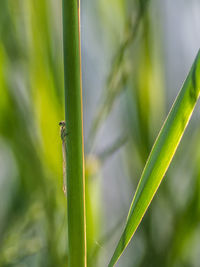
(129, 51)
(32, 208)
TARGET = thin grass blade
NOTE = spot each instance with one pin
(161, 155)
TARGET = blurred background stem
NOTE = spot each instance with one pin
(74, 147)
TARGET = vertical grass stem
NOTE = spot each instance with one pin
(74, 140)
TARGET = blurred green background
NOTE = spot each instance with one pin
(135, 57)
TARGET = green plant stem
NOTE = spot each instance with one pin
(74, 140)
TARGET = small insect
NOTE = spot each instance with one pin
(63, 134)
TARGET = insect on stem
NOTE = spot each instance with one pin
(63, 134)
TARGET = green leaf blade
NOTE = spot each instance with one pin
(161, 155)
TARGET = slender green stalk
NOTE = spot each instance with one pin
(161, 155)
(74, 139)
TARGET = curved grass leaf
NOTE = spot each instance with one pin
(161, 155)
